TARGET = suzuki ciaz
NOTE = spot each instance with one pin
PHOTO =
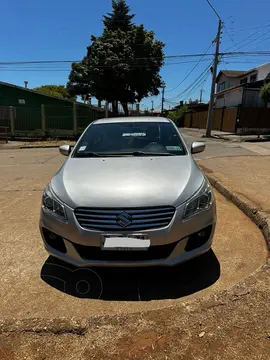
(129, 194)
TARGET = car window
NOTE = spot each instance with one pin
(120, 138)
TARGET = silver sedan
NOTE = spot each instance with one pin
(129, 194)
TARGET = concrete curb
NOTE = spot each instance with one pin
(40, 147)
(260, 218)
(18, 147)
(11, 147)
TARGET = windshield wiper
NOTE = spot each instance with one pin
(126, 153)
(87, 154)
(146, 153)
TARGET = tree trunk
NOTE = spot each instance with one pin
(125, 108)
(115, 108)
(99, 103)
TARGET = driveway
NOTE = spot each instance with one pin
(33, 285)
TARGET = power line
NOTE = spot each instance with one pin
(254, 39)
(59, 67)
(253, 28)
(260, 42)
(231, 53)
(53, 69)
(195, 87)
(78, 61)
(191, 71)
(240, 42)
(212, 7)
(232, 40)
(194, 82)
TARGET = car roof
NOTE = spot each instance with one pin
(134, 119)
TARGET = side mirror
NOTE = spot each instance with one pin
(65, 150)
(197, 147)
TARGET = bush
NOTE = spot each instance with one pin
(178, 116)
(265, 93)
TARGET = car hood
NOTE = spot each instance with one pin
(127, 181)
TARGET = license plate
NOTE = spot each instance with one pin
(125, 243)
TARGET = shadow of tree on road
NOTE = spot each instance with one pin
(132, 284)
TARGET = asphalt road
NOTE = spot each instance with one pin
(34, 285)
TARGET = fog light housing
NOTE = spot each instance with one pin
(198, 239)
(55, 241)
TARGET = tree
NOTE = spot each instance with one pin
(56, 90)
(191, 101)
(119, 18)
(265, 93)
(178, 115)
(122, 65)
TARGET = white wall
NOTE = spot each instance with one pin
(263, 71)
(248, 76)
(229, 82)
(230, 98)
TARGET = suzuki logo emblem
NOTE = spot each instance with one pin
(124, 219)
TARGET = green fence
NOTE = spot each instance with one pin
(59, 117)
(85, 115)
(27, 119)
(4, 116)
(54, 121)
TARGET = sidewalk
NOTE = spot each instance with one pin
(245, 181)
(245, 175)
(225, 135)
(13, 145)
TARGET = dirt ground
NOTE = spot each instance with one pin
(233, 325)
(33, 285)
(141, 314)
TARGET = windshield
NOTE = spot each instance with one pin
(130, 139)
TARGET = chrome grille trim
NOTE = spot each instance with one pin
(141, 218)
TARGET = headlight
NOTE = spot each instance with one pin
(202, 200)
(52, 204)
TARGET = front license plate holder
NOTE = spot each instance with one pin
(124, 242)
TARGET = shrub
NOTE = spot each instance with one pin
(178, 116)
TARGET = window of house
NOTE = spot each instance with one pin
(253, 78)
(221, 86)
(243, 81)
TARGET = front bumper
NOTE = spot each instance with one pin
(171, 245)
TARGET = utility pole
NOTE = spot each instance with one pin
(152, 106)
(214, 76)
(201, 92)
(163, 99)
(201, 96)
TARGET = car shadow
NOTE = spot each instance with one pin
(132, 284)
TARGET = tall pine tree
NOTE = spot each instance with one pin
(120, 18)
(122, 65)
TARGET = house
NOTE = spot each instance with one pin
(236, 87)
(14, 95)
(28, 111)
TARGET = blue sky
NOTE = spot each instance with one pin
(60, 30)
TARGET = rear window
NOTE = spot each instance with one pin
(123, 137)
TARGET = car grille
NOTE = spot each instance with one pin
(136, 219)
